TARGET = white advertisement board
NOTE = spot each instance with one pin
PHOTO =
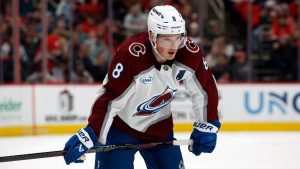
(238, 103)
(50, 105)
(15, 105)
(260, 103)
(64, 104)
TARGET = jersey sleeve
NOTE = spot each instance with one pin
(118, 79)
(202, 88)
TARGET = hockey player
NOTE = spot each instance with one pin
(133, 105)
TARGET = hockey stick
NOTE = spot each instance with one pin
(94, 150)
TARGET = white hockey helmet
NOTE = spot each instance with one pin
(166, 19)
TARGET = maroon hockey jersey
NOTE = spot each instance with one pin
(136, 93)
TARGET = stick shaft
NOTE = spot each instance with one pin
(31, 156)
(92, 150)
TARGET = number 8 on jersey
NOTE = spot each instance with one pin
(117, 71)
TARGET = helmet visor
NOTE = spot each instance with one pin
(170, 41)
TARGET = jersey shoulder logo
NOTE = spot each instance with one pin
(180, 75)
(137, 49)
(156, 103)
(192, 46)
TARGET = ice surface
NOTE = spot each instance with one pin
(235, 150)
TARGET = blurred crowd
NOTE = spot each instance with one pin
(79, 49)
(274, 38)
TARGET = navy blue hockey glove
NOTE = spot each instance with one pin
(204, 136)
(78, 144)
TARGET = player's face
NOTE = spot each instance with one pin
(167, 45)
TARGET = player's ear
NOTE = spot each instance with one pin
(151, 35)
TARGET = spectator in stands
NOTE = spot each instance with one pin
(89, 26)
(80, 75)
(274, 34)
(293, 8)
(6, 61)
(242, 8)
(83, 56)
(92, 8)
(135, 21)
(98, 54)
(6, 54)
(31, 41)
(239, 69)
(283, 57)
(262, 33)
(217, 61)
(97, 45)
(211, 33)
(101, 67)
(39, 76)
(193, 32)
(283, 25)
(283, 54)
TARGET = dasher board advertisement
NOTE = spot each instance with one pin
(15, 105)
(259, 103)
(64, 104)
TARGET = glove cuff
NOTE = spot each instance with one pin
(205, 127)
(215, 123)
(87, 137)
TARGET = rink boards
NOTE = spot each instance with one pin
(53, 109)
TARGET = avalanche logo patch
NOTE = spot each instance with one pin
(192, 46)
(137, 49)
(156, 103)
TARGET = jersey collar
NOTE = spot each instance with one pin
(159, 65)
